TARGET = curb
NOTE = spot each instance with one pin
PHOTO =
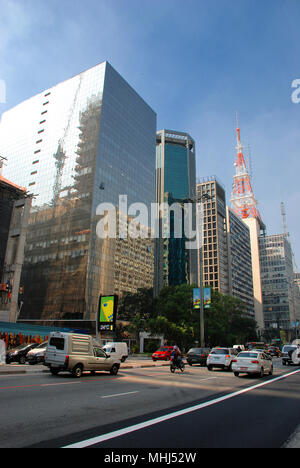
(9, 372)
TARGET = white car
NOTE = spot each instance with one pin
(221, 358)
(252, 362)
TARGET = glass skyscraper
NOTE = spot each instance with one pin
(84, 142)
(175, 183)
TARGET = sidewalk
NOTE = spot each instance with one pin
(131, 363)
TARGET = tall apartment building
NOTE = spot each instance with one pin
(240, 262)
(277, 281)
(211, 194)
(82, 143)
(175, 183)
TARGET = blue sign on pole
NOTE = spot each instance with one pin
(207, 297)
(196, 298)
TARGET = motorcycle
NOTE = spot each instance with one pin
(175, 365)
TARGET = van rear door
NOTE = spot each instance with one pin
(57, 349)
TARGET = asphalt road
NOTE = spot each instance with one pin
(150, 407)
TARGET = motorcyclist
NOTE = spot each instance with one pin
(176, 356)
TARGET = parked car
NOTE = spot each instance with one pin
(37, 355)
(287, 354)
(117, 350)
(221, 358)
(252, 362)
(163, 354)
(75, 353)
(197, 356)
(19, 354)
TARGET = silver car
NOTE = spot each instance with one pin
(252, 362)
(221, 358)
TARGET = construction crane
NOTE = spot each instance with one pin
(287, 234)
(2, 159)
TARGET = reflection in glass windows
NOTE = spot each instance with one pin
(98, 142)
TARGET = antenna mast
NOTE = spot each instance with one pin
(283, 214)
(243, 201)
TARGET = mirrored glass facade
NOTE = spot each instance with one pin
(81, 143)
(175, 183)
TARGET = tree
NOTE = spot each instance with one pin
(171, 314)
(134, 311)
(225, 321)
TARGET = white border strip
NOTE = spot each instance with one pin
(151, 422)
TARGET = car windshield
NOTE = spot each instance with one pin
(286, 349)
(23, 346)
(248, 355)
(196, 350)
(163, 349)
(42, 345)
(220, 351)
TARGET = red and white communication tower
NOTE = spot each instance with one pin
(243, 201)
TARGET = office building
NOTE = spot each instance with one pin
(277, 278)
(240, 262)
(82, 143)
(175, 264)
(211, 194)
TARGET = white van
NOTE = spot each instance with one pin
(237, 346)
(75, 353)
(117, 350)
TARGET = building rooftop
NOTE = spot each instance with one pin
(7, 183)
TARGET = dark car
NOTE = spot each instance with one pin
(287, 352)
(274, 351)
(197, 356)
(19, 354)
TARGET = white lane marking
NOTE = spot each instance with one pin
(151, 422)
(119, 394)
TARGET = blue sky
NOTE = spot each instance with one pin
(194, 61)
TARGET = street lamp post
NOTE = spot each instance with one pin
(199, 204)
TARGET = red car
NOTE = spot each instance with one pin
(163, 354)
